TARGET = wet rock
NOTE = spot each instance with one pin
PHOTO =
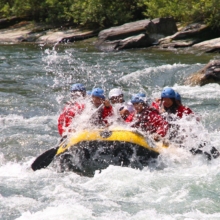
(14, 35)
(7, 22)
(187, 36)
(208, 46)
(164, 26)
(178, 44)
(139, 41)
(28, 32)
(126, 30)
(51, 37)
(195, 30)
(24, 31)
(143, 33)
(208, 74)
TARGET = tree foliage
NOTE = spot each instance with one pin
(105, 13)
(185, 10)
(102, 13)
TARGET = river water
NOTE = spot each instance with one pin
(34, 84)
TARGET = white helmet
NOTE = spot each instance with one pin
(115, 92)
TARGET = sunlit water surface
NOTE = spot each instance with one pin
(34, 85)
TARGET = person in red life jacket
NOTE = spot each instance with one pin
(147, 118)
(126, 110)
(172, 104)
(72, 108)
(132, 114)
(116, 96)
(171, 111)
(98, 98)
(183, 109)
(120, 107)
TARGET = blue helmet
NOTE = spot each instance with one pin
(178, 97)
(97, 92)
(138, 98)
(168, 93)
(77, 87)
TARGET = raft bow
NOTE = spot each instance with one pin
(87, 151)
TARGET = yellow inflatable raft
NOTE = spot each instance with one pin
(87, 151)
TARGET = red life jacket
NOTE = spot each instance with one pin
(69, 112)
(156, 104)
(102, 114)
(130, 117)
(107, 111)
(149, 120)
(183, 110)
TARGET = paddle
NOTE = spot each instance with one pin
(47, 157)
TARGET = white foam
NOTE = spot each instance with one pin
(62, 211)
(152, 70)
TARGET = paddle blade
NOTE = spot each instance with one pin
(44, 159)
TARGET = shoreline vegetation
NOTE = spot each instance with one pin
(104, 14)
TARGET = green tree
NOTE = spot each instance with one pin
(106, 13)
(185, 10)
(5, 8)
(103, 13)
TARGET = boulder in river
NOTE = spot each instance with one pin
(208, 74)
(208, 46)
(188, 36)
(143, 33)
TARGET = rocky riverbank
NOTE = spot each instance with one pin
(159, 33)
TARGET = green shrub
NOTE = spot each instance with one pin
(5, 8)
(105, 13)
(185, 11)
(212, 17)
